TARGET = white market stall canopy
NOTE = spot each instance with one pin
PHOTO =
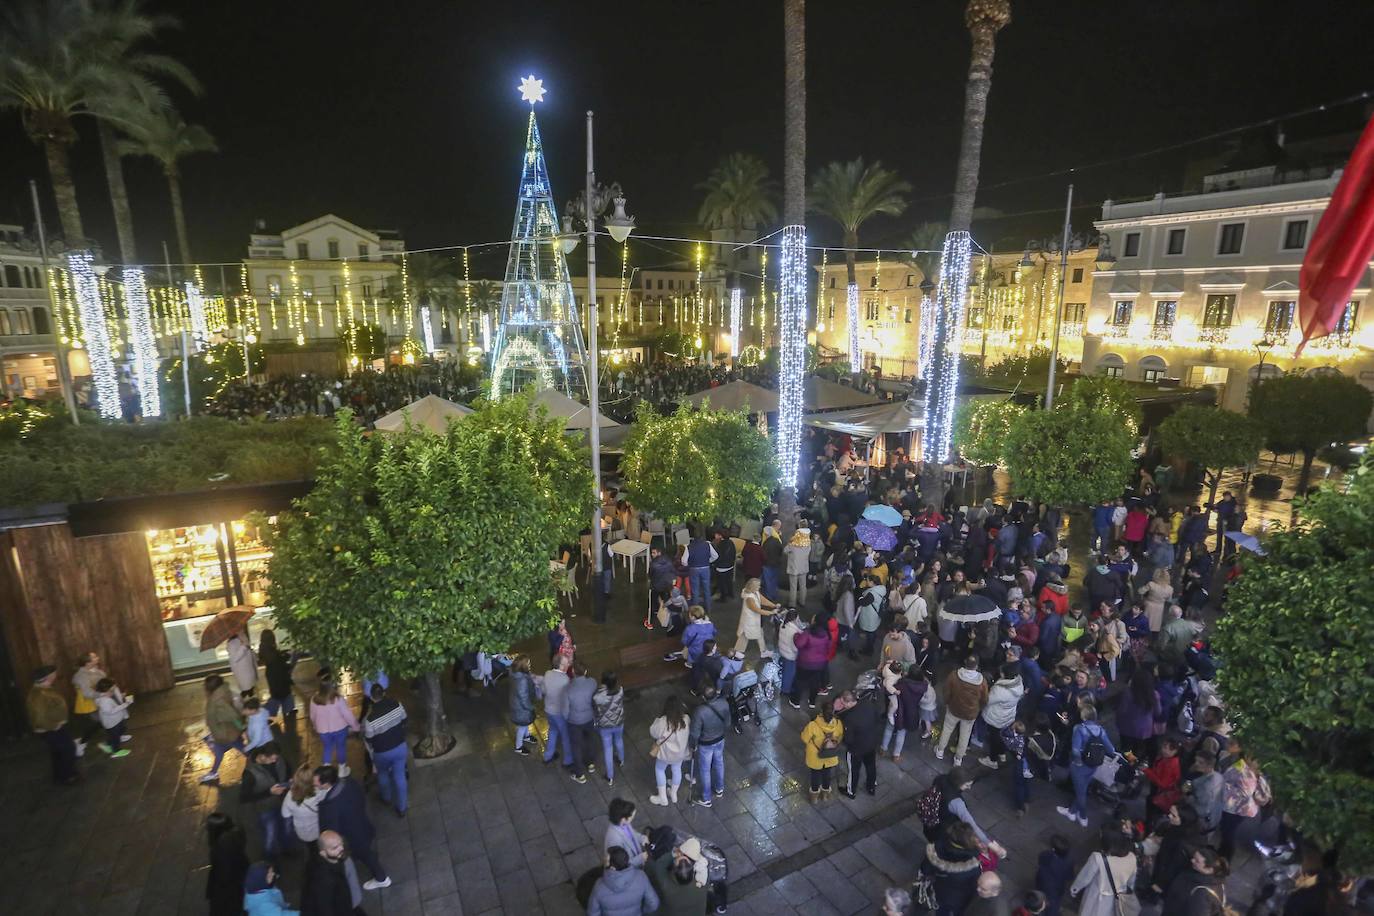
(889, 417)
(431, 412)
(736, 395)
(823, 394)
(574, 415)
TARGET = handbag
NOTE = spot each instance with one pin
(829, 750)
(1126, 904)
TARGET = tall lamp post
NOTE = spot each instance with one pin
(618, 226)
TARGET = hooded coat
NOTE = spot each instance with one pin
(1003, 699)
(622, 893)
(966, 692)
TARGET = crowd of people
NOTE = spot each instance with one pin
(368, 394)
(970, 648)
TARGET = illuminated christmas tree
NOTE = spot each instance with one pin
(539, 340)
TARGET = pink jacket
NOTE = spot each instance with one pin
(332, 718)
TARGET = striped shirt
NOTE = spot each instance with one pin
(385, 725)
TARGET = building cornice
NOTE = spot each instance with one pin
(1199, 216)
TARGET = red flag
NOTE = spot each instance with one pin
(1341, 247)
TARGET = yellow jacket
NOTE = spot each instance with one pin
(816, 733)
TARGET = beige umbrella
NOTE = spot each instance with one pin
(431, 412)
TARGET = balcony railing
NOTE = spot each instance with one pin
(1117, 330)
(1336, 340)
(1214, 334)
(1163, 332)
(1279, 336)
(1071, 329)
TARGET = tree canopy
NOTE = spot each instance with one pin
(1211, 438)
(981, 429)
(1071, 455)
(1298, 670)
(414, 546)
(1104, 393)
(698, 465)
(1306, 413)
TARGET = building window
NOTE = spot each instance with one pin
(1152, 369)
(303, 251)
(1121, 312)
(5, 327)
(1073, 312)
(909, 279)
(40, 321)
(12, 276)
(1280, 318)
(274, 286)
(367, 290)
(1218, 311)
(648, 284)
(1132, 246)
(871, 310)
(362, 251)
(873, 284)
(333, 245)
(832, 282)
(1231, 239)
(21, 322)
(1151, 376)
(1077, 276)
(1295, 235)
(1166, 311)
(1173, 243)
(660, 283)
(1110, 371)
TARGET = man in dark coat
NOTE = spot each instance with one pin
(330, 880)
(344, 810)
(723, 569)
(863, 731)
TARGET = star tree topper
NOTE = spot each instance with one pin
(531, 90)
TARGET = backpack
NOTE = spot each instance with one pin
(1095, 750)
(930, 806)
(662, 839)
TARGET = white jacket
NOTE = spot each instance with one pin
(113, 708)
(1003, 697)
(787, 646)
(672, 746)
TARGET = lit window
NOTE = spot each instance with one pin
(1121, 312)
(1073, 312)
(1151, 376)
(1280, 318)
(1218, 311)
(1110, 371)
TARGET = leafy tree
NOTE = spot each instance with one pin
(210, 370)
(1034, 364)
(698, 465)
(1111, 395)
(415, 546)
(364, 340)
(1069, 456)
(1211, 438)
(981, 429)
(1298, 670)
(1306, 413)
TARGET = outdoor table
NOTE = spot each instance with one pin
(628, 550)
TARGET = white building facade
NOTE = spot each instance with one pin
(1204, 289)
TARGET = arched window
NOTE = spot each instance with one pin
(1152, 369)
(1269, 371)
(1111, 365)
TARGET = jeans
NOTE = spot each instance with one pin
(770, 583)
(583, 743)
(787, 667)
(820, 779)
(521, 735)
(114, 734)
(62, 749)
(711, 768)
(965, 727)
(274, 835)
(286, 705)
(869, 764)
(897, 736)
(1082, 775)
(391, 775)
(1020, 784)
(660, 772)
(1102, 538)
(221, 749)
(612, 746)
(558, 735)
(334, 746)
(796, 583)
(607, 575)
(700, 577)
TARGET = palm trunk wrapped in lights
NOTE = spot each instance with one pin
(792, 351)
(851, 303)
(950, 297)
(142, 341)
(736, 307)
(94, 334)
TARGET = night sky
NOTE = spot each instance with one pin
(405, 115)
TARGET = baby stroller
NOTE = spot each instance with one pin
(1115, 781)
(740, 693)
(868, 685)
(770, 680)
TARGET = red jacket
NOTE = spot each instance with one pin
(752, 560)
(834, 627)
(1166, 776)
(1049, 598)
(1027, 633)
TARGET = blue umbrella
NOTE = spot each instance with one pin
(885, 514)
(875, 534)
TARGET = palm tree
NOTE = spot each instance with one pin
(163, 135)
(431, 281)
(984, 19)
(924, 242)
(793, 217)
(739, 194)
(851, 193)
(486, 296)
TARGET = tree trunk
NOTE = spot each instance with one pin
(119, 195)
(179, 218)
(793, 196)
(983, 31)
(64, 189)
(437, 741)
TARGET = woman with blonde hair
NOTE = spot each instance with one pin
(333, 720)
(300, 806)
(1157, 593)
(755, 607)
